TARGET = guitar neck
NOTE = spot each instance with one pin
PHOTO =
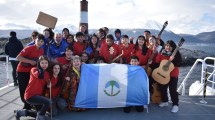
(173, 54)
(150, 59)
(159, 34)
(175, 51)
(116, 58)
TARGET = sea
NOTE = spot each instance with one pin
(209, 49)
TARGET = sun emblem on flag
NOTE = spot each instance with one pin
(112, 88)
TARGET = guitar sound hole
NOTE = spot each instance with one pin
(165, 68)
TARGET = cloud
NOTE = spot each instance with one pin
(184, 16)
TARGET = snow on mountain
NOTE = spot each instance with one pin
(72, 29)
(14, 26)
(152, 24)
(25, 31)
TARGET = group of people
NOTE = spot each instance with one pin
(49, 67)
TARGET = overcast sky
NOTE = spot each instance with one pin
(184, 16)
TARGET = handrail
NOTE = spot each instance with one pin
(7, 67)
(204, 67)
(187, 76)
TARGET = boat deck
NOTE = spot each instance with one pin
(189, 109)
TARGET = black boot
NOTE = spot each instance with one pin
(127, 109)
(139, 108)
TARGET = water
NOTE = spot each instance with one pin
(3, 74)
(206, 47)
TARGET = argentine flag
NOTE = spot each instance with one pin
(112, 85)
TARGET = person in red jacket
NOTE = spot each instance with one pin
(39, 79)
(166, 54)
(27, 58)
(79, 46)
(141, 50)
(56, 79)
(127, 48)
(65, 60)
(110, 50)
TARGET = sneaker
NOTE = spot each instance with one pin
(127, 109)
(19, 113)
(15, 84)
(139, 108)
(163, 104)
(174, 109)
(40, 117)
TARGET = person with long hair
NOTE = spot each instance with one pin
(70, 87)
(166, 54)
(56, 79)
(141, 50)
(39, 79)
(93, 48)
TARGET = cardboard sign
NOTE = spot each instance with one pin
(46, 20)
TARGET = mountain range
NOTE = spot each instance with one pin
(153, 26)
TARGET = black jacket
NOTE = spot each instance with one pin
(13, 47)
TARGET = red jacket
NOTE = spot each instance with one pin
(55, 90)
(29, 52)
(102, 42)
(127, 52)
(36, 86)
(174, 72)
(104, 52)
(79, 48)
(143, 59)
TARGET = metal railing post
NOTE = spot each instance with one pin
(7, 70)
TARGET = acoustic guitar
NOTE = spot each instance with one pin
(156, 96)
(162, 73)
(146, 67)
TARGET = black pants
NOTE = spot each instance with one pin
(23, 79)
(172, 89)
(151, 81)
(14, 66)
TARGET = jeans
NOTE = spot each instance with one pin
(40, 100)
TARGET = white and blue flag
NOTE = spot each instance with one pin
(112, 85)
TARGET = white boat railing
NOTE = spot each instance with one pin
(6, 68)
(205, 67)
